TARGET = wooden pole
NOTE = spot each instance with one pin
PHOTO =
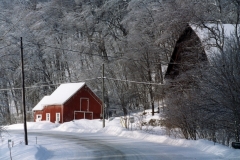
(103, 108)
(23, 97)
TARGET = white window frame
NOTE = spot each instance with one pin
(48, 117)
(84, 113)
(58, 115)
(40, 117)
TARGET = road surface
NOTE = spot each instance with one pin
(55, 145)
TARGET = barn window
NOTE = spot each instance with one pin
(57, 117)
(38, 117)
(48, 117)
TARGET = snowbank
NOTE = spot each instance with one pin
(114, 128)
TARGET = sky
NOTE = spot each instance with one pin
(153, 142)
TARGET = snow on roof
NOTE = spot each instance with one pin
(60, 95)
(63, 93)
(212, 35)
(40, 105)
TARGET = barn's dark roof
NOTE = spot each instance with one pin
(204, 41)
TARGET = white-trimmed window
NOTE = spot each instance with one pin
(38, 117)
(48, 117)
(57, 117)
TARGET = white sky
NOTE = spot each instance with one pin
(209, 41)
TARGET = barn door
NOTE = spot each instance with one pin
(88, 115)
(57, 118)
(79, 115)
(84, 104)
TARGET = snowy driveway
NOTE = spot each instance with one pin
(56, 145)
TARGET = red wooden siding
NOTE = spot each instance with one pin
(84, 103)
(52, 110)
(36, 113)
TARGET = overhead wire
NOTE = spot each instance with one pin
(98, 55)
(90, 54)
(130, 81)
(121, 57)
(114, 79)
(44, 85)
(70, 50)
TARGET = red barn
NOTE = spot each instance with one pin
(68, 102)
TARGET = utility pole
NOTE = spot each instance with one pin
(103, 108)
(23, 96)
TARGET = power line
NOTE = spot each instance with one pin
(115, 57)
(123, 58)
(120, 57)
(145, 83)
(47, 85)
(91, 54)
(121, 80)
(98, 55)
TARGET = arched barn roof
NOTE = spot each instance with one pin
(205, 39)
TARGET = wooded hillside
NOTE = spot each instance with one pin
(69, 40)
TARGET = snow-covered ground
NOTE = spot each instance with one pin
(113, 128)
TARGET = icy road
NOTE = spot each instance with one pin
(54, 145)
